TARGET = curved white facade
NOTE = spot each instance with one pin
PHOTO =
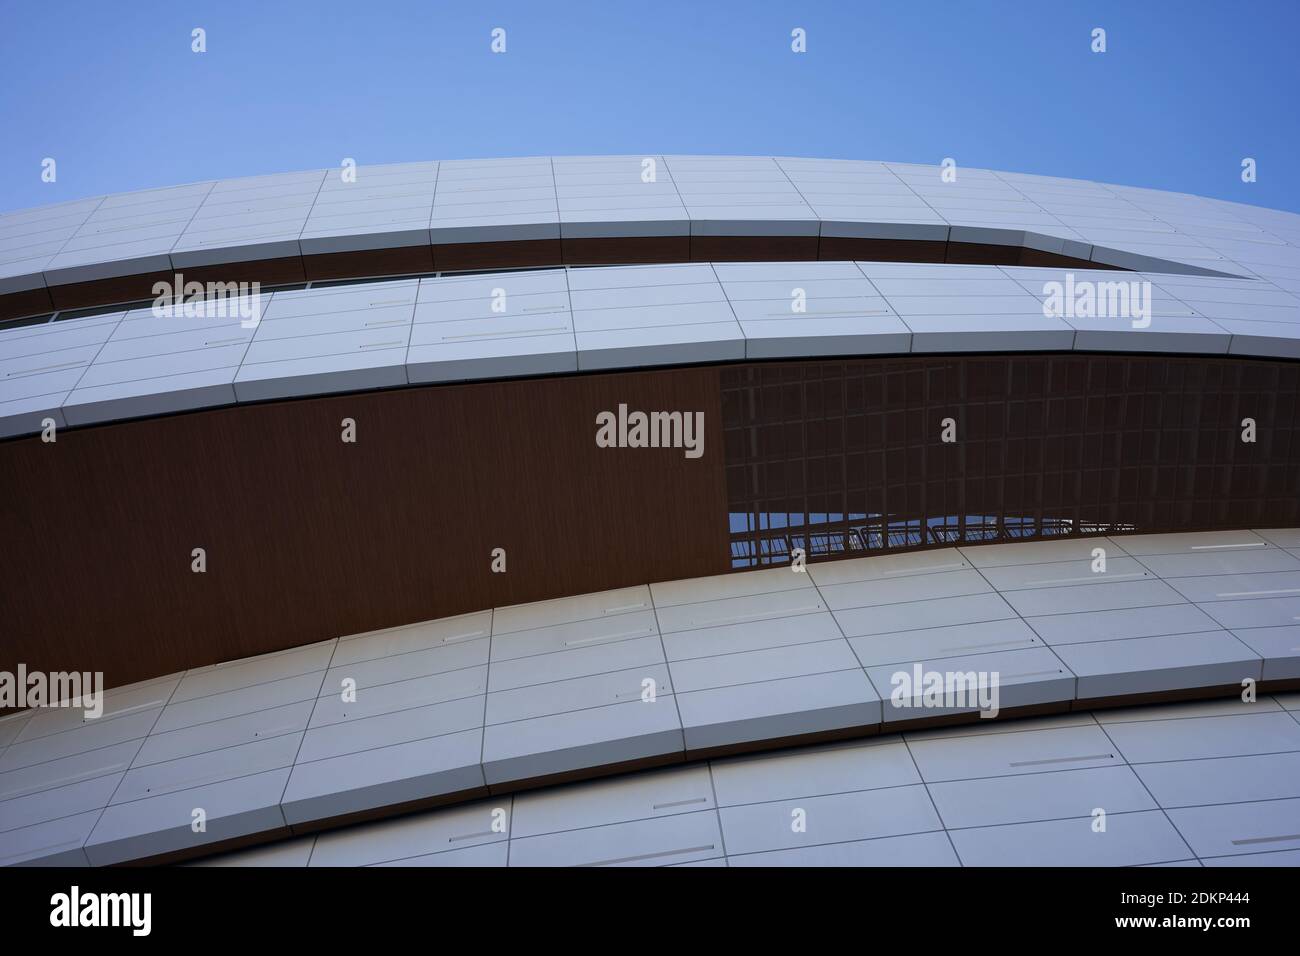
(509, 698)
(520, 696)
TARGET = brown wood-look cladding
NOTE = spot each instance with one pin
(309, 538)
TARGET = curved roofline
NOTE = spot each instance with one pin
(474, 214)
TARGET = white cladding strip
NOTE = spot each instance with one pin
(381, 334)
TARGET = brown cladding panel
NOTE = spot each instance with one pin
(983, 254)
(656, 249)
(266, 271)
(16, 305)
(309, 538)
(837, 248)
(468, 256)
(753, 248)
(407, 260)
(80, 295)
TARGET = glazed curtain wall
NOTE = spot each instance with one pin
(846, 458)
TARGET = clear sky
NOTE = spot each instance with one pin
(111, 90)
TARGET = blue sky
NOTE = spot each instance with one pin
(112, 91)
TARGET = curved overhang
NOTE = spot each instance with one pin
(74, 369)
(547, 211)
(1168, 777)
